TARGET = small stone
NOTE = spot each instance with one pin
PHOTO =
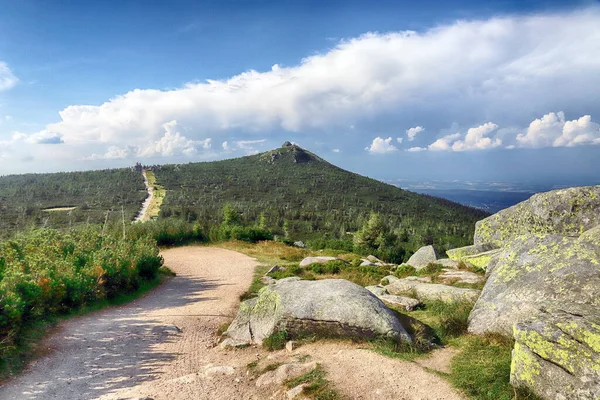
(291, 346)
(275, 268)
(295, 392)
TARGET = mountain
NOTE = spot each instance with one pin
(304, 197)
(290, 191)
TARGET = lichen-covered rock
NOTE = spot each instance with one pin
(422, 257)
(428, 291)
(557, 355)
(317, 260)
(567, 212)
(329, 307)
(534, 273)
(591, 236)
(461, 252)
(482, 260)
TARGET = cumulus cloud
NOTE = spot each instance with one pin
(475, 139)
(399, 140)
(412, 132)
(7, 78)
(381, 146)
(336, 150)
(416, 149)
(172, 143)
(466, 68)
(552, 130)
(445, 143)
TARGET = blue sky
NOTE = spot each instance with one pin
(439, 90)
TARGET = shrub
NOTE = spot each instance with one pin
(46, 272)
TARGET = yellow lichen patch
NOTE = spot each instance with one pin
(524, 365)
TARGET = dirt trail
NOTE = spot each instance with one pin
(143, 213)
(162, 346)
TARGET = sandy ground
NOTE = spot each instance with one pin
(162, 346)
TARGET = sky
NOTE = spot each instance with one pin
(495, 91)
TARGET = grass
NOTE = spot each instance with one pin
(482, 368)
(158, 196)
(29, 346)
(256, 284)
(276, 341)
(317, 387)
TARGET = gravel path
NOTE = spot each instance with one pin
(162, 346)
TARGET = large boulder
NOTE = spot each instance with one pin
(329, 307)
(534, 273)
(428, 291)
(422, 257)
(557, 355)
(317, 260)
(566, 212)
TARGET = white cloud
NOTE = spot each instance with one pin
(468, 68)
(552, 130)
(417, 149)
(7, 78)
(476, 139)
(336, 150)
(412, 132)
(445, 143)
(172, 143)
(399, 140)
(226, 146)
(381, 146)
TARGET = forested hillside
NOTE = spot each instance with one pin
(299, 196)
(70, 198)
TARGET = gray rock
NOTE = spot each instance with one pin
(461, 252)
(317, 260)
(291, 345)
(534, 273)
(557, 356)
(377, 290)
(267, 280)
(283, 373)
(407, 303)
(375, 260)
(367, 263)
(329, 307)
(422, 257)
(448, 263)
(275, 268)
(429, 291)
(300, 244)
(295, 391)
(459, 276)
(591, 236)
(567, 212)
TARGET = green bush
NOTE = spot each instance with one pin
(47, 272)
(168, 232)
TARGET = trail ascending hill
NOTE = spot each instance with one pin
(161, 346)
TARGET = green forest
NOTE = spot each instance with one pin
(35, 200)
